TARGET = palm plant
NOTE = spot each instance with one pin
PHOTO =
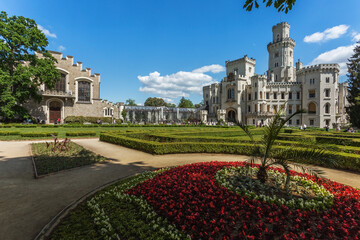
(269, 156)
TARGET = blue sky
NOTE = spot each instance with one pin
(169, 49)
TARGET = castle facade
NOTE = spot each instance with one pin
(254, 99)
(77, 93)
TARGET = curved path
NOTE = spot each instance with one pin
(27, 204)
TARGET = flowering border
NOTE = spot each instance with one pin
(322, 201)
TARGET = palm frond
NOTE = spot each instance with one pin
(246, 129)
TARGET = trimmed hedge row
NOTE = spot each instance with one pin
(347, 161)
(38, 134)
(322, 139)
(83, 133)
(5, 126)
(8, 133)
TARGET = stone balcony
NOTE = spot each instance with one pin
(55, 93)
(260, 114)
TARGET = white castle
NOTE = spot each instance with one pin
(253, 99)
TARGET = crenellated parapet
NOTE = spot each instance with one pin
(319, 68)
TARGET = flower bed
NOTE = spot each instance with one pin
(189, 201)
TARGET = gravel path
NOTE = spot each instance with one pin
(27, 204)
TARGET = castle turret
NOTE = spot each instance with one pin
(281, 57)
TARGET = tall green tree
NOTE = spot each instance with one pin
(280, 5)
(22, 70)
(130, 102)
(171, 105)
(354, 87)
(185, 103)
(155, 102)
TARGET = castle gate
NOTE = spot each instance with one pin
(54, 111)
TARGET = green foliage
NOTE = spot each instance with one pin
(81, 133)
(130, 102)
(354, 87)
(38, 134)
(155, 102)
(9, 133)
(21, 70)
(123, 114)
(171, 105)
(280, 5)
(81, 119)
(185, 103)
(49, 161)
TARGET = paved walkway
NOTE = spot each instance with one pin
(27, 204)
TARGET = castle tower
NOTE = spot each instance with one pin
(281, 54)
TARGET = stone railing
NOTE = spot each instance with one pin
(57, 93)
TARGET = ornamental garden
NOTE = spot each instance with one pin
(275, 195)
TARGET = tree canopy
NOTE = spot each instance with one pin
(130, 102)
(354, 87)
(24, 65)
(185, 103)
(155, 102)
(280, 5)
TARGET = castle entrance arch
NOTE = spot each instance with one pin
(54, 111)
(231, 116)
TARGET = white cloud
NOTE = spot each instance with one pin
(61, 48)
(180, 84)
(168, 100)
(330, 33)
(338, 55)
(356, 36)
(46, 32)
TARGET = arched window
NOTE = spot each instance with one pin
(312, 108)
(327, 108)
(83, 91)
(59, 85)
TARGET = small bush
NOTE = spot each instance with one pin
(8, 133)
(83, 133)
(38, 134)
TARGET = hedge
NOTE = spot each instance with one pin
(25, 126)
(38, 134)
(83, 133)
(8, 133)
(347, 161)
(5, 126)
(81, 119)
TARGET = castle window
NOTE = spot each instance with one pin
(312, 108)
(297, 95)
(290, 53)
(275, 109)
(256, 95)
(311, 122)
(275, 77)
(249, 97)
(312, 81)
(217, 100)
(311, 93)
(298, 106)
(327, 122)
(290, 122)
(327, 108)
(327, 80)
(59, 85)
(290, 109)
(327, 92)
(275, 95)
(231, 93)
(267, 95)
(297, 121)
(278, 38)
(207, 95)
(83, 91)
(282, 95)
(260, 95)
(268, 108)
(249, 108)
(255, 84)
(290, 95)
(250, 69)
(277, 54)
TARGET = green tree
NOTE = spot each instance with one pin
(198, 105)
(24, 65)
(270, 156)
(123, 114)
(171, 105)
(354, 87)
(280, 5)
(130, 102)
(185, 103)
(155, 102)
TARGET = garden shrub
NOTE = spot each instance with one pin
(8, 133)
(25, 126)
(81, 119)
(5, 126)
(82, 133)
(38, 134)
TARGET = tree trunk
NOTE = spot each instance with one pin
(262, 174)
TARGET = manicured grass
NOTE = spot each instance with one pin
(49, 161)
